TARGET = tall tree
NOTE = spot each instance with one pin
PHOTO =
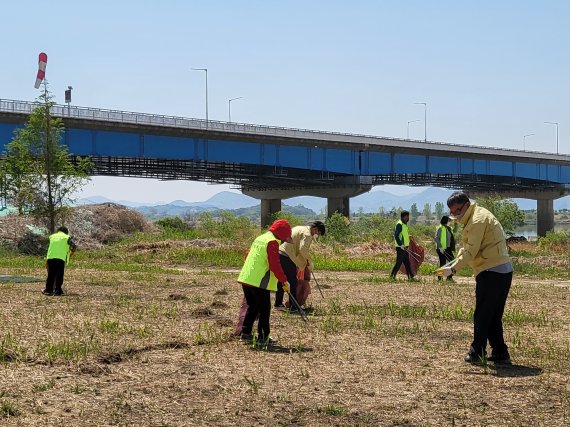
(427, 211)
(39, 175)
(506, 211)
(414, 213)
(439, 208)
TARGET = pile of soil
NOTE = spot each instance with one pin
(91, 226)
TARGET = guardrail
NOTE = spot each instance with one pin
(116, 116)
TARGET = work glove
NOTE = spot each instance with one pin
(286, 287)
(403, 247)
(447, 271)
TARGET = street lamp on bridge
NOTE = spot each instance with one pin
(555, 123)
(206, 71)
(230, 107)
(408, 129)
(425, 118)
(524, 139)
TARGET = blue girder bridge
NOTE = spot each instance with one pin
(274, 163)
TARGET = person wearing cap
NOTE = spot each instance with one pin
(401, 242)
(61, 247)
(295, 257)
(259, 276)
(485, 251)
(445, 241)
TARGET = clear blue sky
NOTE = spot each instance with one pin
(490, 71)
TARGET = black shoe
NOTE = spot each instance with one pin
(58, 293)
(279, 307)
(246, 338)
(502, 358)
(475, 359)
(48, 293)
(269, 342)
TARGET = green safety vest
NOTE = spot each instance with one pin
(442, 236)
(255, 270)
(403, 235)
(58, 246)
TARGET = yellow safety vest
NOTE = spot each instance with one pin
(403, 234)
(58, 246)
(255, 270)
(442, 236)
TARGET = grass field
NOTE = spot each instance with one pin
(144, 337)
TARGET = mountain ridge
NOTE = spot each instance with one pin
(368, 202)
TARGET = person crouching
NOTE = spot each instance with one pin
(259, 276)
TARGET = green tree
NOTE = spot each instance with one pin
(414, 213)
(427, 211)
(39, 175)
(338, 228)
(506, 211)
(439, 208)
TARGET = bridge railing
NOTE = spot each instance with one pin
(117, 116)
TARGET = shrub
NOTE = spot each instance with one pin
(293, 219)
(338, 228)
(553, 239)
(173, 223)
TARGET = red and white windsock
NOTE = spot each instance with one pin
(42, 62)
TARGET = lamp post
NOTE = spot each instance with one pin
(68, 99)
(555, 123)
(230, 107)
(524, 139)
(408, 129)
(206, 71)
(425, 118)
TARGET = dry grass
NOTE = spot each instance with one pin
(156, 349)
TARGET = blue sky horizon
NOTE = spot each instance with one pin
(490, 72)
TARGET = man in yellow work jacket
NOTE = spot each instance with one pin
(61, 246)
(485, 251)
(259, 276)
(295, 255)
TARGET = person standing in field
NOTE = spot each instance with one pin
(485, 250)
(445, 241)
(259, 276)
(401, 242)
(295, 258)
(61, 247)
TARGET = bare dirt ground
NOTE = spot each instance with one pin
(156, 349)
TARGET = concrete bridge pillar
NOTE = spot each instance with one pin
(338, 204)
(269, 207)
(544, 205)
(338, 196)
(544, 216)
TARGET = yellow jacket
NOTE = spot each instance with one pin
(298, 250)
(483, 238)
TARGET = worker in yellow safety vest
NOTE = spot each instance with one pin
(401, 242)
(445, 241)
(61, 247)
(259, 276)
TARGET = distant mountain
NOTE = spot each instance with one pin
(369, 202)
(229, 200)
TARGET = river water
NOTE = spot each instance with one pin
(529, 231)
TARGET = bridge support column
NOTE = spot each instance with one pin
(544, 216)
(269, 207)
(338, 204)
